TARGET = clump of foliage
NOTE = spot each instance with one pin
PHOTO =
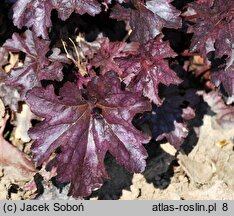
(97, 72)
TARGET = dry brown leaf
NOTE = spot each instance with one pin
(20, 166)
(23, 123)
(13, 61)
(198, 60)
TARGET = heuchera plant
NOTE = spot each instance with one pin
(88, 92)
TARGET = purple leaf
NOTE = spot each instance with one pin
(210, 2)
(170, 119)
(214, 29)
(85, 126)
(174, 113)
(144, 72)
(226, 77)
(109, 51)
(36, 13)
(147, 20)
(36, 66)
(224, 113)
(66, 7)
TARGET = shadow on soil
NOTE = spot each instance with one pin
(160, 164)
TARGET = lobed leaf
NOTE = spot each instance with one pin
(36, 66)
(85, 125)
(226, 77)
(224, 113)
(170, 119)
(109, 51)
(36, 13)
(147, 20)
(144, 72)
(214, 29)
